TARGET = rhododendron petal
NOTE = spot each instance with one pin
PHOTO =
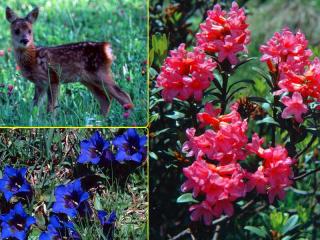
(294, 107)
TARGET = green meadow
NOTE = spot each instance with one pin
(121, 22)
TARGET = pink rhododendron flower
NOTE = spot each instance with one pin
(259, 181)
(185, 74)
(294, 107)
(197, 175)
(1, 53)
(308, 83)
(255, 145)
(287, 50)
(276, 171)
(202, 211)
(223, 183)
(225, 142)
(210, 117)
(224, 33)
(221, 186)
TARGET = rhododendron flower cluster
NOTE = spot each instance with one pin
(225, 33)
(288, 54)
(274, 175)
(185, 74)
(287, 50)
(217, 174)
(308, 83)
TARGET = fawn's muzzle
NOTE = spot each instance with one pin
(24, 41)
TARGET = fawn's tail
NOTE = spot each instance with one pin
(108, 52)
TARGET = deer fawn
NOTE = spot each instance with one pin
(47, 67)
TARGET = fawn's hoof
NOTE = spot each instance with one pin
(128, 106)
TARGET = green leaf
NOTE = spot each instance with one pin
(248, 81)
(258, 99)
(261, 232)
(151, 56)
(157, 133)
(153, 155)
(176, 115)
(269, 120)
(234, 92)
(287, 238)
(264, 75)
(244, 62)
(290, 224)
(186, 198)
(97, 203)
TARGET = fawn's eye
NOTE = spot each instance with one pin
(17, 31)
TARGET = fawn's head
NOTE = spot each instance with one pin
(21, 28)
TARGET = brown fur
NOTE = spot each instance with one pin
(48, 67)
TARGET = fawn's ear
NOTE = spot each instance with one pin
(10, 15)
(33, 15)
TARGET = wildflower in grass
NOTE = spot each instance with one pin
(130, 147)
(10, 89)
(1, 53)
(71, 199)
(14, 183)
(59, 229)
(287, 50)
(224, 33)
(126, 115)
(107, 222)
(16, 223)
(94, 150)
(185, 74)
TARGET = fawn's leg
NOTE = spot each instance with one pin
(115, 91)
(38, 94)
(53, 91)
(101, 96)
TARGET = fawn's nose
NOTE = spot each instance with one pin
(24, 41)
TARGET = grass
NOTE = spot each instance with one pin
(121, 22)
(50, 155)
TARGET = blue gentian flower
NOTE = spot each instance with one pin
(107, 223)
(59, 230)
(71, 199)
(16, 224)
(14, 183)
(94, 150)
(130, 146)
